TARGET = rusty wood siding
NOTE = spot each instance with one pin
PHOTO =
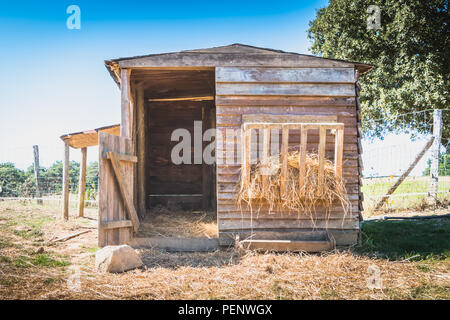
(285, 91)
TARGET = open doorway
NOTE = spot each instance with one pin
(180, 184)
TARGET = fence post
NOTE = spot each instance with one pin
(434, 170)
(82, 182)
(66, 168)
(36, 173)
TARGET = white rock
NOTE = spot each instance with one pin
(117, 259)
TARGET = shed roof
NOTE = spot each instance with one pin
(89, 138)
(236, 55)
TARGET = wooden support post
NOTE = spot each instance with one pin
(405, 174)
(265, 157)
(247, 146)
(140, 136)
(284, 154)
(213, 167)
(302, 156)
(338, 152)
(435, 150)
(36, 174)
(206, 176)
(66, 180)
(82, 182)
(126, 115)
(322, 144)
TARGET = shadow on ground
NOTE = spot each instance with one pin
(406, 239)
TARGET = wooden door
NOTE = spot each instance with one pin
(118, 218)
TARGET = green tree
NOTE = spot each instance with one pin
(444, 165)
(91, 180)
(51, 178)
(410, 52)
(11, 180)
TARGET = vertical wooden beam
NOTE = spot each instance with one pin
(435, 150)
(302, 156)
(266, 155)
(206, 177)
(213, 166)
(36, 174)
(322, 144)
(141, 138)
(126, 116)
(246, 154)
(82, 182)
(66, 180)
(338, 152)
(284, 166)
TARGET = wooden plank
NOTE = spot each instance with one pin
(284, 165)
(344, 113)
(121, 157)
(141, 136)
(204, 98)
(288, 101)
(246, 153)
(318, 214)
(177, 244)
(265, 156)
(335, 90)
(297, 125)
(339, 153)
(342, 237)
(290, 75)
(180, 60)
(66, 181)
(82, 183)
(302, 156)
(125, 124)
(125, 192)
(249, 223)
(116, 224)
(206, 178)
(74, 235)
(320, 175)
(230, 207)
(287, 245)
(37, 169)
(284, 118)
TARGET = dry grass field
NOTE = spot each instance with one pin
(396, 260)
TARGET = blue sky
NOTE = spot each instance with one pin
(54, 81)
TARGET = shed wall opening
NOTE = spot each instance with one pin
(178, 101)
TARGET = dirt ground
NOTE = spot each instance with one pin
(33, 266)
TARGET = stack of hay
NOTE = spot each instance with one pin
(302, 200)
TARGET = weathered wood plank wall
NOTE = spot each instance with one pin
(187, 186)
(287, 91)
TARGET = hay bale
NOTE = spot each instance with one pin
(299, 200)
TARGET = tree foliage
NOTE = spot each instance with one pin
(15, 182)
(11, 180)
(410, 52)
(444, 165)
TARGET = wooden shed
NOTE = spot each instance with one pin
(312, 100)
